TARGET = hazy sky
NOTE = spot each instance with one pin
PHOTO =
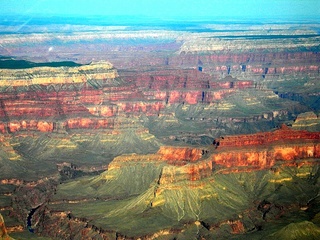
(167, 8)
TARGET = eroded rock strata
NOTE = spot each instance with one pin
(93, 97)
(187, 188)
(163, 117)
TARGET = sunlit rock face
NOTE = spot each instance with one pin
(232, 153)
(283, 133)
(184, 154)
(90, 96)
(48, 99)
(243, 153)
(39, 99)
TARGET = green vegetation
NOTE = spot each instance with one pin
(26, 235)
(130, 179)
(35, 156)
(240, 112)
(303, 231)
(140, 206)
(10, 63)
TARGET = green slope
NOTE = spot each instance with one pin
(134, 204)
(303, 231)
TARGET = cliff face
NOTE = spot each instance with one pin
(180, 154)
(184, 86)
(49, 99)
(283, 133)
(233, 153)
(242, 153)
(35, 98)
(266, 158)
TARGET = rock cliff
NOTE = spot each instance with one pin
(232, 153)
(242, 153)
(44, 98)
(94, 97)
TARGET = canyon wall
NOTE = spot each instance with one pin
(233, 154)
(209, 188)
(48, 99)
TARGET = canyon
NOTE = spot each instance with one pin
(209, 134)
(188, 187)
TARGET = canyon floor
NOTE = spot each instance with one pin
(195, 130)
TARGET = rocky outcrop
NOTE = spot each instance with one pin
(241, 153)
(176, 154)
(3, 231)
(284, 133)
(263, 150)
(60, 75)
(37, 99)
(49, 99)
(232, 153)
(189, 186)
(190, 172)
(308, 120)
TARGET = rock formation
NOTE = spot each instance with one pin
(308, 120)
(187, 186)
(94, 98)
(180, 134)
(240, 153)
(39, 98)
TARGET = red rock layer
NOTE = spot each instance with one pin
(198, 163)
(174, 154)
(263, 150)
(184, 86)
(51, 101)
(284, 133)
(259, 57)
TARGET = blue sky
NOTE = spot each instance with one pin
(166, 8)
